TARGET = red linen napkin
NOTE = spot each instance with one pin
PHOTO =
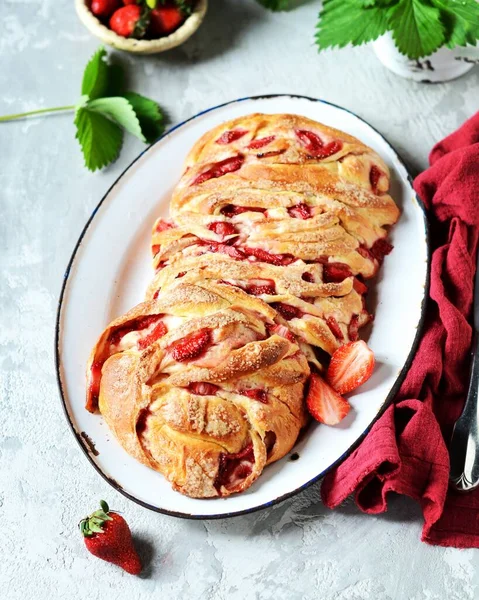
(405, 451)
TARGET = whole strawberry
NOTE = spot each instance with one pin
(108, 537)
(129, 21)
(104, 8)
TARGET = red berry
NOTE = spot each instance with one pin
(165, 19)
(374, 177)
(287, 311)
(261, 286)
(261, 142)
(202, 388)
(256, 394)
(230, 210)
(335, 328)
(124, 20)
(300, 211)
(228, 165)
(191, 346)
(104, 8)
(107, 536)
(351, 366)
(222, 228)
(158, 332)
(315, 145)
(324, 403)
(335, 272)
(267, 257)
(230, 136)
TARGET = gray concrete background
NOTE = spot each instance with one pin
(297, 550)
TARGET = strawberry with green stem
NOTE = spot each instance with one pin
(107, 536)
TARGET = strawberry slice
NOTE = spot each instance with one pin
(300, 211)
(335, 272)
(230, 210)
(324, 403)
(381, 248)
(267, 257)
(374, 176)
(162, 225)
(309, 277)
(222, 228)
(353, 328)
(231, 136)
(350, 366)
(359, 286)
(228, 165)
(134, 325)
(315, 145)
(261, 142)
(202, 388)
(287, 311)
(225, 249)
(256, 394)
(155, 249)
(158, 332)
(261, 286)
(191, 346)
(282, 331)
(335, 328)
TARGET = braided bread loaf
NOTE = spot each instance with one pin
(275, 225)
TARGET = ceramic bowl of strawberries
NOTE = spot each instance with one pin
(142, 26)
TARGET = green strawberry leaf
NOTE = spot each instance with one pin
(149, 115)
(416, 28)
(461, 21)
(120, 111)
(345, 22)
(95, 76)
(100, 139)
(116, 80)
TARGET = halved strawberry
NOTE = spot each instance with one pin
(324, 403)
(191, 346)
(315, 145)
(350, 366)
(222, 228)
(359, 286)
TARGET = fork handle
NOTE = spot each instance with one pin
(464, 445)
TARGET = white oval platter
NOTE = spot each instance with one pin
(109, 272)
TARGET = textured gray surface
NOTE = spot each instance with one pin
(296, 550)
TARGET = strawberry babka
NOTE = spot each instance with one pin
(260, 276)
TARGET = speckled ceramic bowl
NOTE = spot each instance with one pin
(96, 27)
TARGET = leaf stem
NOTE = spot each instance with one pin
(35, 112)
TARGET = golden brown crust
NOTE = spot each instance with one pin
(275, 223)
(149, 396)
